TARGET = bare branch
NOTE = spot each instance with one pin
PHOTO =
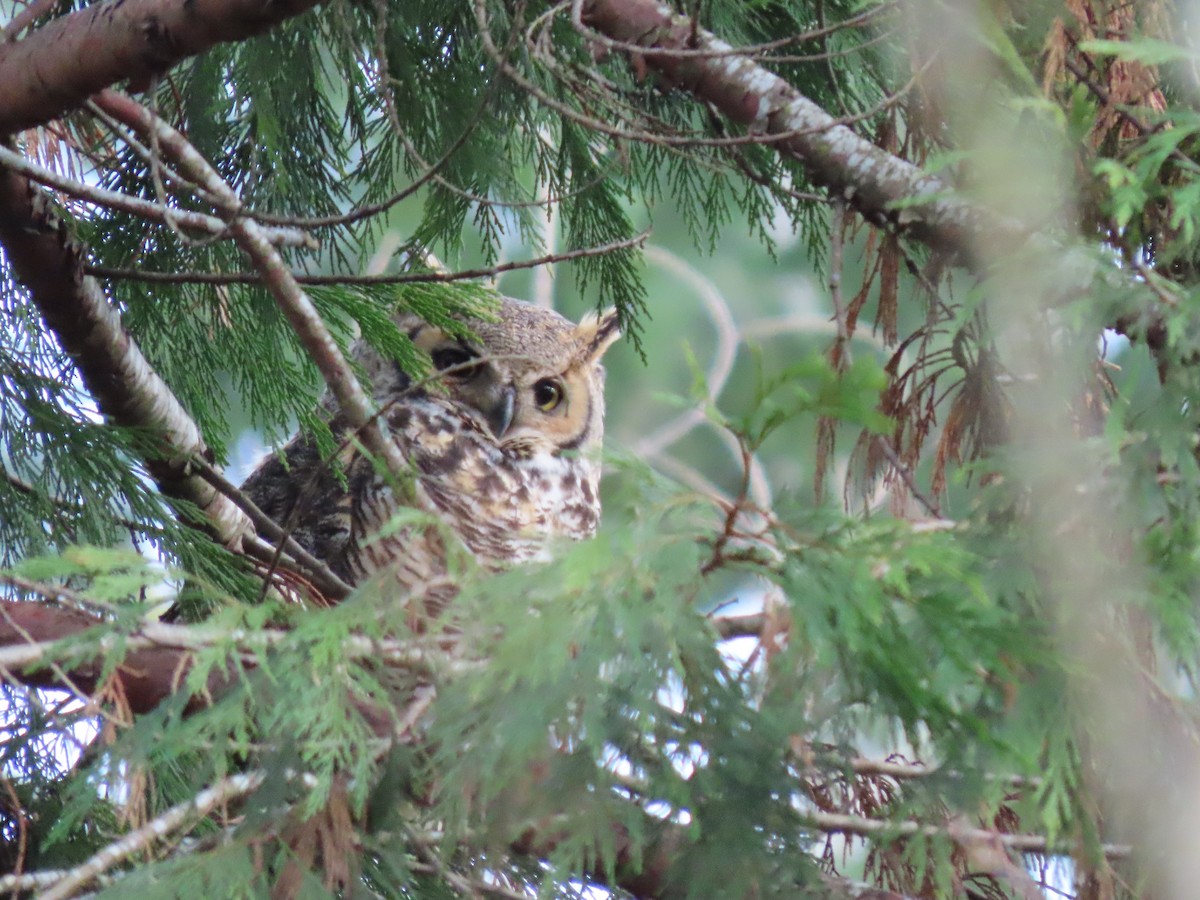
(906, 475)
(439, 277)
(323, 577)
(32, 633)
(146, 209)
(48, 625)
(645, 869)
(860, 826)
(197, 807)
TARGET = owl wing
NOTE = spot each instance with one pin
(311, 498)
(307, 497)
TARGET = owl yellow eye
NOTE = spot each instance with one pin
(547, 394)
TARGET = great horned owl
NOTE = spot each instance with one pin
(502, 448)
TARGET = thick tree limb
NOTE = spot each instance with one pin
(158, 655)
(29, 632)
(883, 188)
(61, 64)
(49, 262)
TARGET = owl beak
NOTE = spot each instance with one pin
(499, 413)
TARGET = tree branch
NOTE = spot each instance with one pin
(156, 829)
(645, 869)
(959, 832)
(61, 64)
(883, 188)
(422, 277)
(146, 209)
(158, 654)
(293, 302)
(330, 585)
(128, 391)
(147, 675)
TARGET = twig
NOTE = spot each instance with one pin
(230, 788)
(860, 826)
(906, 476)
(419, 704)
(749, 625)
(323, 577)
(410, 653)
(861, 765)
(837, 242)
(146, 209)
(57, 593)
(17, 809)
(465, 886)
(1154, 282)
(685, 34)
(398, 278)
(1102, 94)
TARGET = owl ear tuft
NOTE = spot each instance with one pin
(596, 332)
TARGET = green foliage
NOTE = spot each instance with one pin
(813, 387)
(563, 722)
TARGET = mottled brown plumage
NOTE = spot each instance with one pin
(503, 449)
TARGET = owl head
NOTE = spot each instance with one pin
(533, 378)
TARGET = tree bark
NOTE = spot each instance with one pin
(45, 257)
(882, 187)
(145, 677)
(63, 63)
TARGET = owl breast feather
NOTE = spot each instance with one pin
(507, 507)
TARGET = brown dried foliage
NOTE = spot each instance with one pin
(326, 842)
(1126, 83)
(951, 394)
(882, 256)
(898, 865)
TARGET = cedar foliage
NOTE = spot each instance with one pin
(1005, 644)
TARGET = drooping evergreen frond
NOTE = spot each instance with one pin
(895, 229)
